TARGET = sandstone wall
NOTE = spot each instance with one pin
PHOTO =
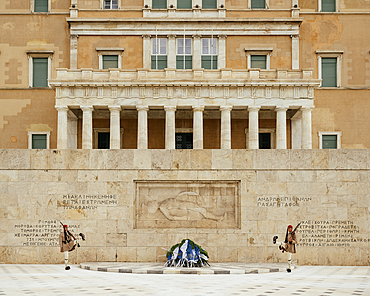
(132, 203)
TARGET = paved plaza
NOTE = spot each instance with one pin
(304, 280)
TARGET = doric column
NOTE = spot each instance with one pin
(73, 51)
(142, 127)
(62, 141)
(226, 127)
(146, 51)
(197, 63)
(281, 127)
(170, 126)
(72, 127)
(87, 127)
(221, 51)
(306, 128)
(295, 51)
(171, 51)
(296, 127)
(198, 127)
(253, 127)
(115, 127)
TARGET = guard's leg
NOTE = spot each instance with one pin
(66, 260)
(289, 262)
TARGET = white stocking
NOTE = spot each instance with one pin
(290, 260)
(66, 258)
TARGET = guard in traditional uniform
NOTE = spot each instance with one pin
(289, 245)
(67, 244)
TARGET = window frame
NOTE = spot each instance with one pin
(336, 7)
(212, 7)
(339, 138)
(103, 51)
(31, 133)
(102, 5)
(184, 54)
(33, 7)
(156, 54)
(258, 51)
(267, 5)
(212, 55)
(167, 4)
(38, 54)
(177, 4)
(330, 54)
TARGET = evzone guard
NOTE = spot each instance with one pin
(289, 244)
(68, 243)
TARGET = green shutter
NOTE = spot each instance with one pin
(329, 72)
(39, 141)
(110, 61)
(328, 5)
(258, 61)
(329, 142)
(40, 72)
(209, 4)
(184, 4)
(206, 62)
(159, 4)
(180, 62)
(161, 62)
(258, 4)
(41, 6)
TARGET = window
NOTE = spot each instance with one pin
(209, 53)
(209, 4)
(259, 61)
(159, 4)
(328, 5)
(184, 4)
(40, 72)
(41, 6)
(159, 53)
(330, 140)
(184, 141)
(184, 53)
(258, 4)
(38, 140)
(110, 4)
(110, 61)
(329, 72)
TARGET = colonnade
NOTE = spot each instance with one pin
(142, 138)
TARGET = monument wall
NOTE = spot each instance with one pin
(134, 204)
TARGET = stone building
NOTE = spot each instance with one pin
(219, 105)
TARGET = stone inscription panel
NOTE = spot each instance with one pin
(187, 204)
(88, 201)
(282, 201)
(332, 233)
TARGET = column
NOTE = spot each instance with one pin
(170, 126)
(73, 51)
(226, 127)
(296, 126)
(198, 127)
(221, 51)
(306, 128)
(115, 127)
(62, 142)
(72, 127)
(87, 128)
(197, 62)
(142, 127)
(171, 51)
(253, 127)
(281, 127)
(146, 51)
(295, 51)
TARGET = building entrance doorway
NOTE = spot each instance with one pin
(264, 141)
(103, 140)
(184, 141)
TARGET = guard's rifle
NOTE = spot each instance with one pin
(83, 237)
(293, 232)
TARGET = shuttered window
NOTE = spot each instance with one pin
(40, 72)
(39, 141)
(184, 4)
(159, 63)
(41, 5)
(328, 6)
(209, 4)
(258, 61)
(209, 62)
(180, 62)
(159, 4)
(329, 142)
(329, 72)
(258, 4)
(110, 61)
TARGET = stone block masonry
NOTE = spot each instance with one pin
(133, 203)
